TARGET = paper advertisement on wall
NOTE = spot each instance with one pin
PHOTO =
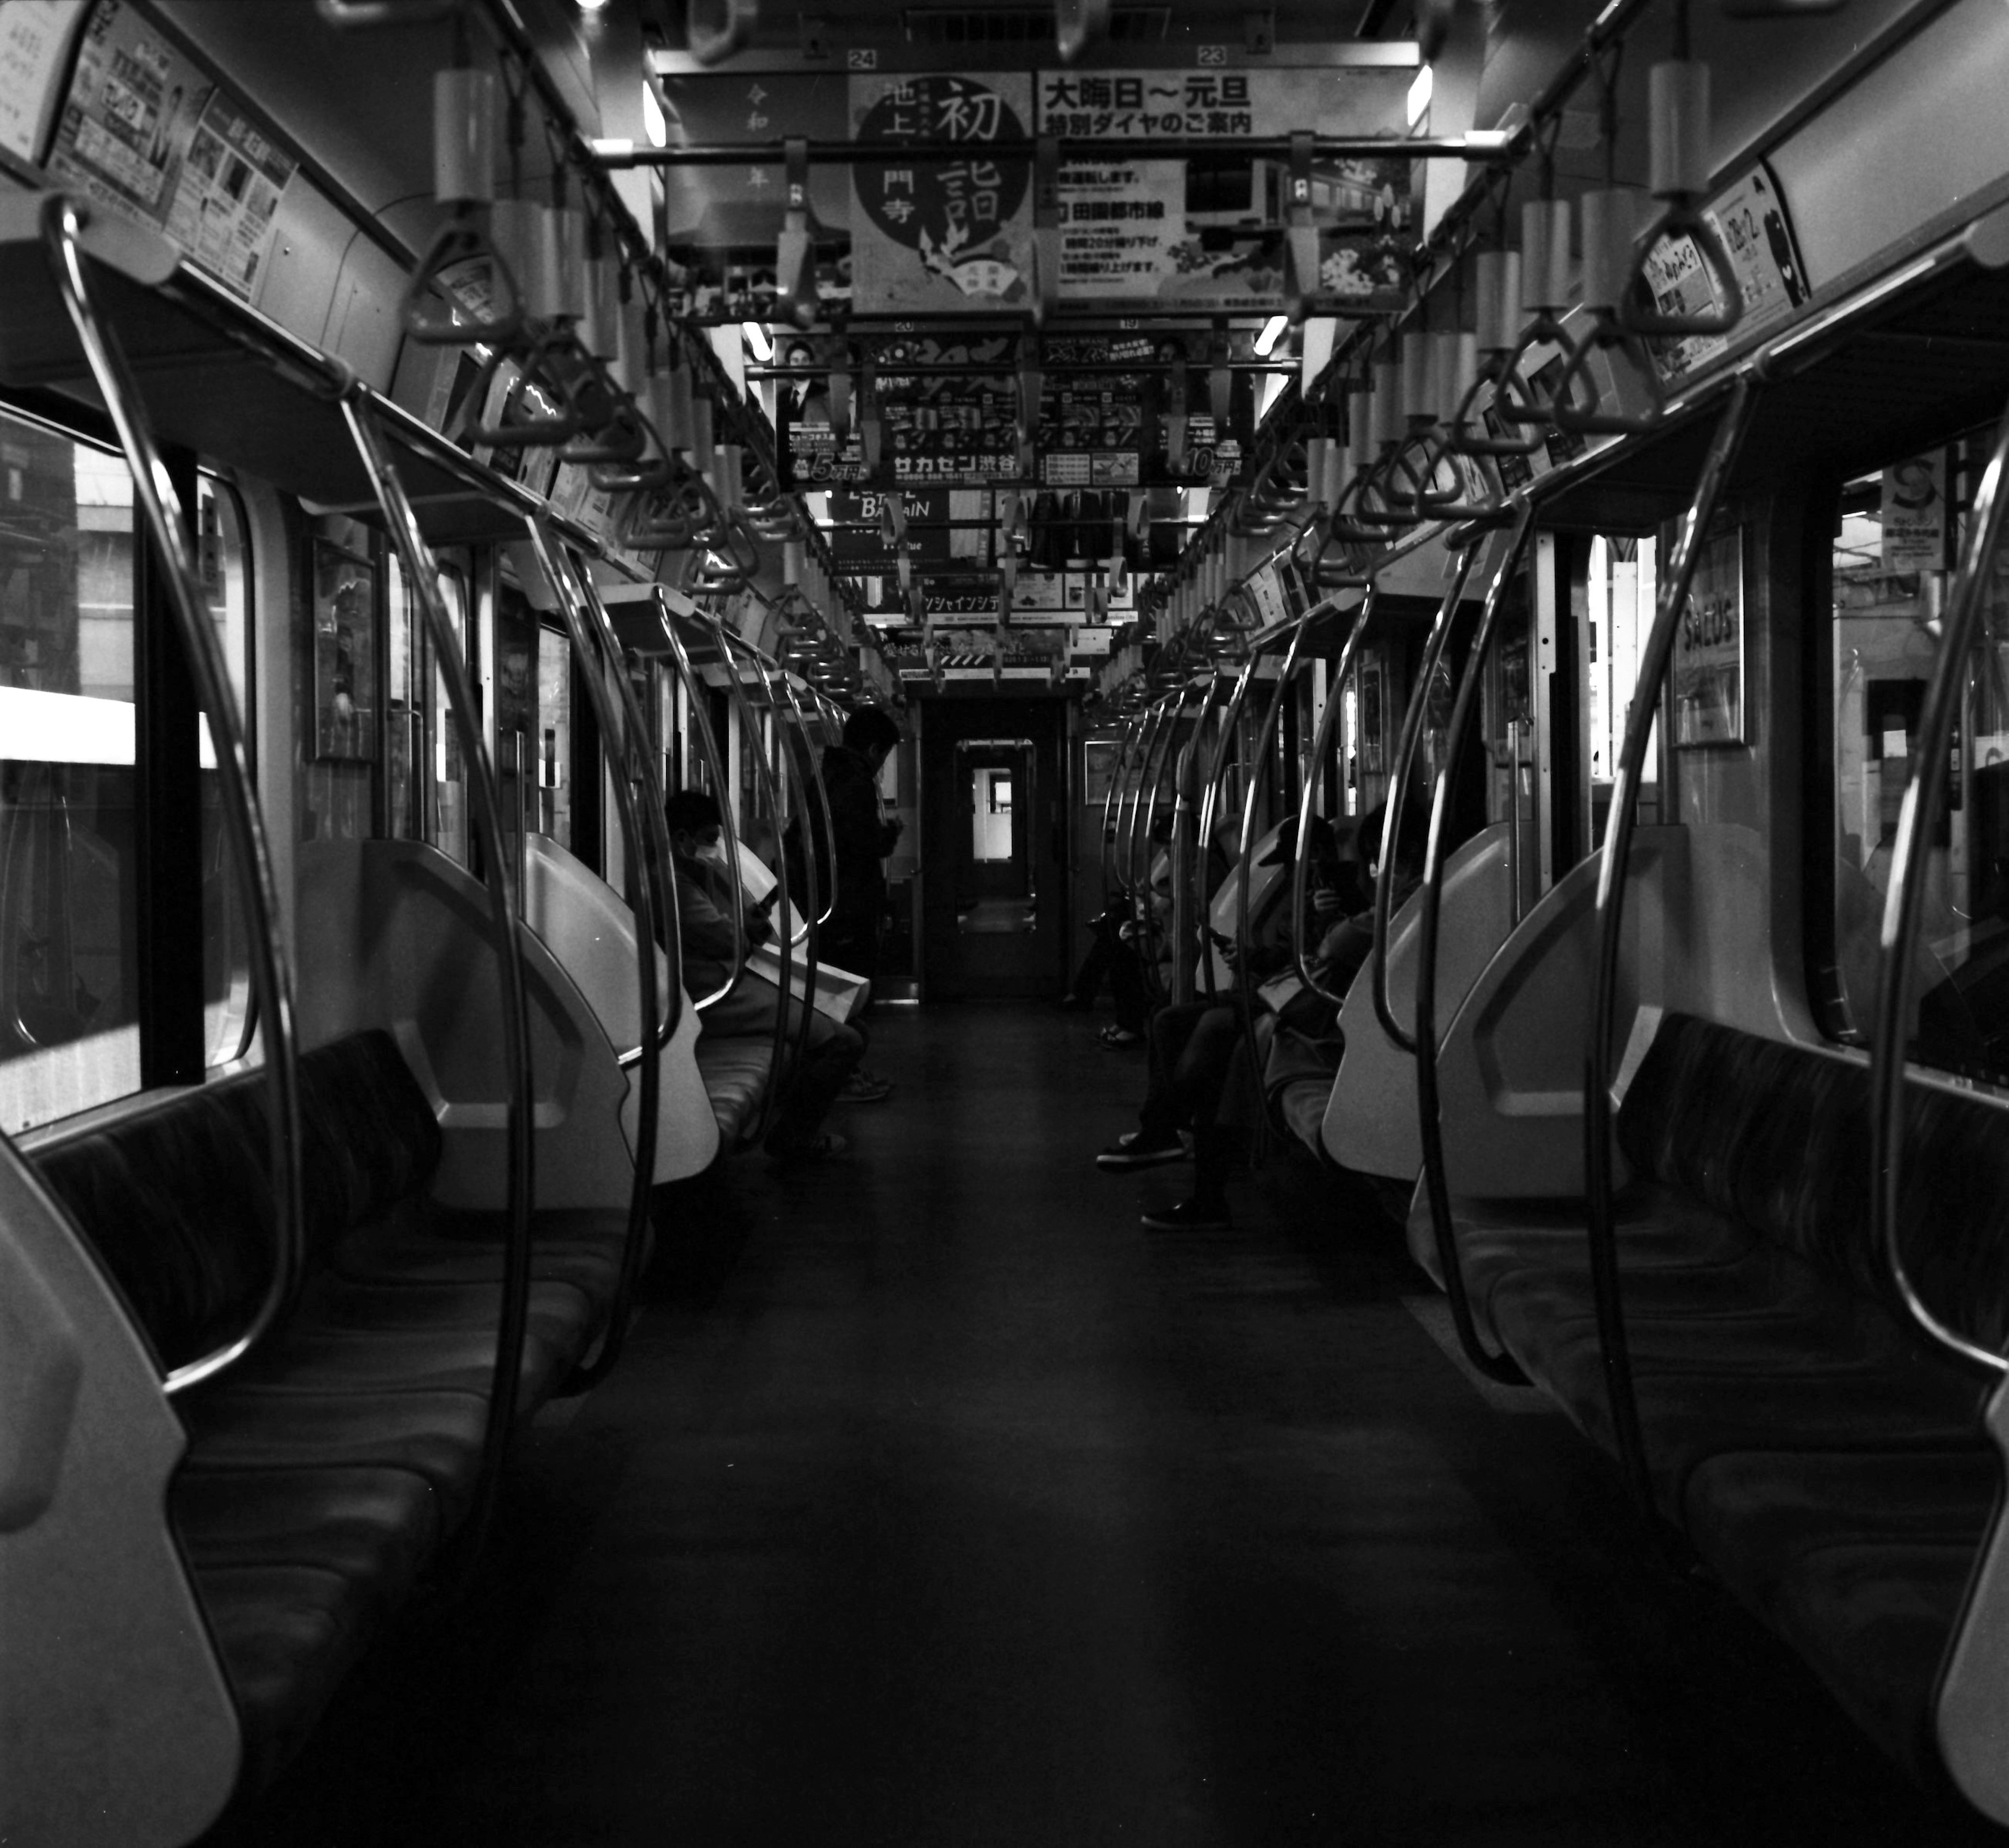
(1708, 677)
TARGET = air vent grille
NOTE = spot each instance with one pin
(1024, 25)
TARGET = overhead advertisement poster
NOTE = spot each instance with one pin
(1750, 218)
(1208, 233)
(934, 236)
(145, 133)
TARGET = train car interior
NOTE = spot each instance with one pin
(624, 622)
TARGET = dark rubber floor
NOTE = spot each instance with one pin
(938, 1504)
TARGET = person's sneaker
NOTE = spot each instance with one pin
(1071, 1003)
(865, 1087)
(1188, 1215)
(1120, 1039)
(1131, 1151)
(821, 1147)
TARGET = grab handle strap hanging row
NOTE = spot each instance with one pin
(1301, 237)
(466, 103)
(1678, 101)
(1654, 655)
(1545, 289)
(1496, 304)
(168, 525)
(1078, 24)
(1497, 1367)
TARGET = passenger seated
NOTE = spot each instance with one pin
(710, 938)
(1202, 1079)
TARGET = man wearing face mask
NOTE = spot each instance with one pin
(710, 937)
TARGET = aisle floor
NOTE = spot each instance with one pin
(946, 1506)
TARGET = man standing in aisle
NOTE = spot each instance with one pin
(861, 840)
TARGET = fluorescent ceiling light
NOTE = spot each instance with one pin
(1273, 331)
(1419, 96)
(758, 343)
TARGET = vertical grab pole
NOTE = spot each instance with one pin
(1904, 902)
(1209, 799)
(271, 984)
(1436, 1186)
(708, 744)
(615, 744)
(1245, 841)
(1723, 452)
(828, 831)
(423, 574)
(1308, 794)
(1398, 792)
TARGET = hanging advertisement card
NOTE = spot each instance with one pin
(1914, 509)
(35, 37)
(935, 236)
(1750, 218)
(1708, 677)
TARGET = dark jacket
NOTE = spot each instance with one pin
(862, 840)
(704, 924)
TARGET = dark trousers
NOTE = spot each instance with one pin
(831, 1055)
(1110, 959)
(1192, 1045)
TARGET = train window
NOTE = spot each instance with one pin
(1619, 588)
(551, 742)
(442, 819)
(1897, 536)
(69, 1035)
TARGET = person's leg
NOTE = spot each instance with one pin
(1127, 988)
(1165, 1110)
(1088, 978)
(831, 1056)
(1200, 1071)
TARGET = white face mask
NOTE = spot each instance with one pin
(715, 853)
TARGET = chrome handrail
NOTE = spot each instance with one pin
(1307, 799)
(615, 744)
(1437, 1186)
(1724, 449)
(1210, 802)
(824, 904)
(1398, 790)
(422, 572)
(160, 506)
(1903, 903)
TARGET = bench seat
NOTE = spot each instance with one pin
(1828, 1463)
(326, 1470)
(735, 1069)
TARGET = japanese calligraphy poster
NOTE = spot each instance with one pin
(1750, 218)
(936, 236)
(146, 134)
(1208, 233)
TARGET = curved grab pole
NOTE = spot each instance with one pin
(1905, 901)
(828, 831)
(1398, 790)
(1209, 801)
(1307, 791)
(422, 572)
(271, 984)
(1165, 768)
(788, 776)
(645, 771)
(617, 733)
(1209, 699)
(693, 688)
(1122, 763)
(1150, 786)
(1437, 1186)
(1143, 738)
(1653, 657)
(749, 733)
(1245, 841)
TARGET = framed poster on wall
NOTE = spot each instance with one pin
(1708, 674)
(345, 653)
(1098, 765)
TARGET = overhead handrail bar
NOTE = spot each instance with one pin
(1335, 699)
(167, 524)
(1398, 791)
(617, 742)
(1904, 904)
(422, 573)
(1724, 449)
(1500, 1367)
(694, 698)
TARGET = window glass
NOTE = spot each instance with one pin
(68, 901)
(1897, 535)
(1620, 587)
(552, 745)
